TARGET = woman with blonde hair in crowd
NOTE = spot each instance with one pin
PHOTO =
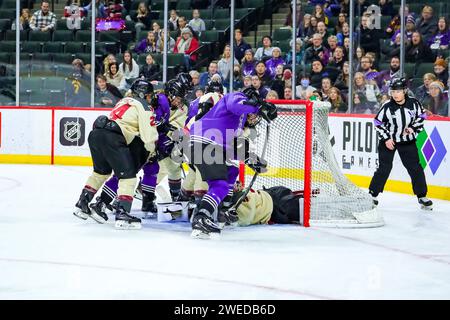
(110, 58)
(272, 95)
(337, 104)
(24, 20)
(160, 42)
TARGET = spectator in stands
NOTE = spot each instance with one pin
(264, 52)
(130, 70)
(343, 34)
(272, 95)
(426, 25)
(195, 85)
(437, 102)
(360, 8)
(248, 63)
(342, 18)
(316, 51)
(197, 23)
(258, 85)
(366, 68)
(304, 89)
(198, 93)
(320, 15)
(317, 73)
(150, 69)
(385, 77)
(441, 71)
(106, 95)
(325, 88)
(361, 105)
(288, 93)
(337, 60)
(410, 27)
(240, 46)
(114, 9)
(392, 48)
(273, 62)
(142, 18)
(322, 30)
(237, 77)
(417, 51)
(205, 77)
(247, 81)
(337, 103)
(182, 23)
(394, 24)
(147, 45)
(386, 8)
(368, 90)
(110, 58)
(423, 92)
(343, 78)
(160, 42)
(262, 73)
(305, 30)
(315, 96)
(44, 19)
(441, 38)
(173, 20)
(200, 4)
(100, 9)
(299, 18)
(359, 53)
(24, 20)
(187, 45)
(332, 44)
(114, 75)
(368, 38)
(299, 52)
(313, 23)
(156, 28)
(224, 65)
(278, 82)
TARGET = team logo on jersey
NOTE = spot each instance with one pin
(432, 150)
(72, 131)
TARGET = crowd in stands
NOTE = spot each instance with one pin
(321, 52)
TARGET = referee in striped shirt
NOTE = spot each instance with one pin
(397, 123)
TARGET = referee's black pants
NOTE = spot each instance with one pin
(410, 158)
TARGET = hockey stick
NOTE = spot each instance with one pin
(244, 195)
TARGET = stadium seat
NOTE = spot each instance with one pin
(63, 35)
(63, 58)
(52, 47)
(5, 24)
(38, 57)
(8, 14)
(206, 14)
(209, 36)
(7, 46)
(38, 98)
(85, 57)
(54, 83)
(8, 4)
(221, 14)
(282, 34)
(241, 13)
(185, 13)
(222, 24)
(74, 47)
(31, 83)
(175, 59)
(61, 24)
(83, 35)
(108, 36)
(10, 35)
(5, 57)
(37, 35)
(31, 46)
(183, 4)
(423, 68)
(254, 3)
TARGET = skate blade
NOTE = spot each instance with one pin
(426, 208)
(198, 234)
(97, 218)
(150, 215)
(80, 214)
(124, 225)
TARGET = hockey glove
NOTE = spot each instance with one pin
(165, 147)
(203, 108)
(268, 111)
(256, 163)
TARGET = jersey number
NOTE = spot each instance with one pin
(118, 111)
(152, 121)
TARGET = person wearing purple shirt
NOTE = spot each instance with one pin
(276, 59)
(211, 150)
(248, 64)
(441, 38)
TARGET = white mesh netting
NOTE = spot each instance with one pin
(335, 200)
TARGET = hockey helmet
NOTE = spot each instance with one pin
(185, 80)
(214, 86)
(398, 84)
(141, 88)
(174, 89)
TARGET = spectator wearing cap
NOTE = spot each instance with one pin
(441, 38)
(197, 23)
(264, 52)
(304, 89)
(44, 19)
(240, 46)
(187, 44)
(316, 51)
(410, 27)
(423, 92)
(248, 63)
(299, 52)
(417, 51)
(426, 25)
(437, 102)
(441, 70)
(273, 62)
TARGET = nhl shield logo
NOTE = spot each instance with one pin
(72, 131)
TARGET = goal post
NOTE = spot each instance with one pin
(300, 157)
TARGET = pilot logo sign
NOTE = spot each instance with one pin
(72, 131)
(432, 150)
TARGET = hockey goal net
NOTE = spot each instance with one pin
(300, 157)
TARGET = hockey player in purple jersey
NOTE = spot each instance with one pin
(212, 147)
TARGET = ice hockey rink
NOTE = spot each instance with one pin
(47, 253)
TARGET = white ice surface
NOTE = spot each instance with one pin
(47, 253)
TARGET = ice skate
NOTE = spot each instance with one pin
(375, 201)
(148, 205)
(138, 191)
(125, 221)
(98, 210)
(227, 218)
(82, 210)
(204, 228)
(426, 204)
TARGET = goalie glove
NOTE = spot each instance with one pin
(268, 111)
(256, 163)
